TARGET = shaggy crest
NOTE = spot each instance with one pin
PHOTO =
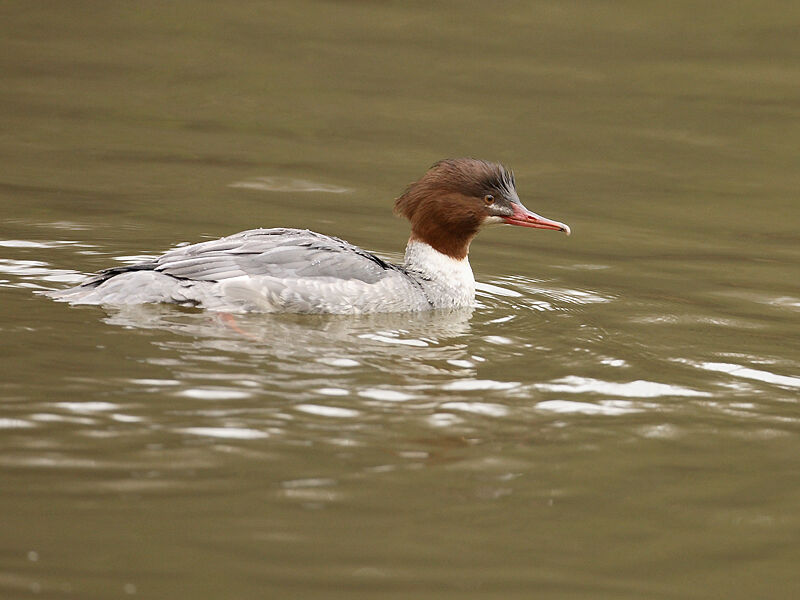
(459, 186)
(465, 176)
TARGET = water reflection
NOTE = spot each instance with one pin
(632, 389)
(327, 341)
(252, 377)
(35, 273)
(744, 372)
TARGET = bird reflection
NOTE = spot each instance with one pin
(307, 343)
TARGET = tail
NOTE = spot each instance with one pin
(80, 290)
(107, 274)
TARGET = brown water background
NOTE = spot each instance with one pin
(618, 418)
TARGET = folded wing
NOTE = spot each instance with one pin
(281, 253)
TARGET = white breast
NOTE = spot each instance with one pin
(448, 282)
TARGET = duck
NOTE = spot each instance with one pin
(285, 270)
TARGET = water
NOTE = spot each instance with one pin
(618, 416)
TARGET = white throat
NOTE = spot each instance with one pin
(450, 279)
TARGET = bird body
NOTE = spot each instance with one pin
(300, 271)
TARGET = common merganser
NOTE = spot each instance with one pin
(299, 271)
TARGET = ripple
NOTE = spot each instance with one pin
(234, 433)
(287, 184)
(605, 407)
(498, 340)
(81, 407)
(747, 373)
(498, 320)
(392, 338)
(690, 320)
(127, 418)
(311, 494)
(6, 423)
(662, 431)
(520, 292)
(42, 244)
(337, 412)
(496, 290)
(332, 391)
(443, 420)
(461, 363)
(614, 362)
(155, 382)
(785, 302)
(308, 483)
(53, 418)
(634, 389)
(781, 302)
(338, 362)
(38, 270)
(486, 409)
(479, 385)
(214, 394)
(385, 395)
(558, 294)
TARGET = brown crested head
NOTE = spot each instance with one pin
(449, 204)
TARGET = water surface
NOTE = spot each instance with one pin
(616, 418)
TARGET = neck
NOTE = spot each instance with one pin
(449, 280)
(456, 247)
(426, 259)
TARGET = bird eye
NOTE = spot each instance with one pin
(489, 199)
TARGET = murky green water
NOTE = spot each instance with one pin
(618, 418)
